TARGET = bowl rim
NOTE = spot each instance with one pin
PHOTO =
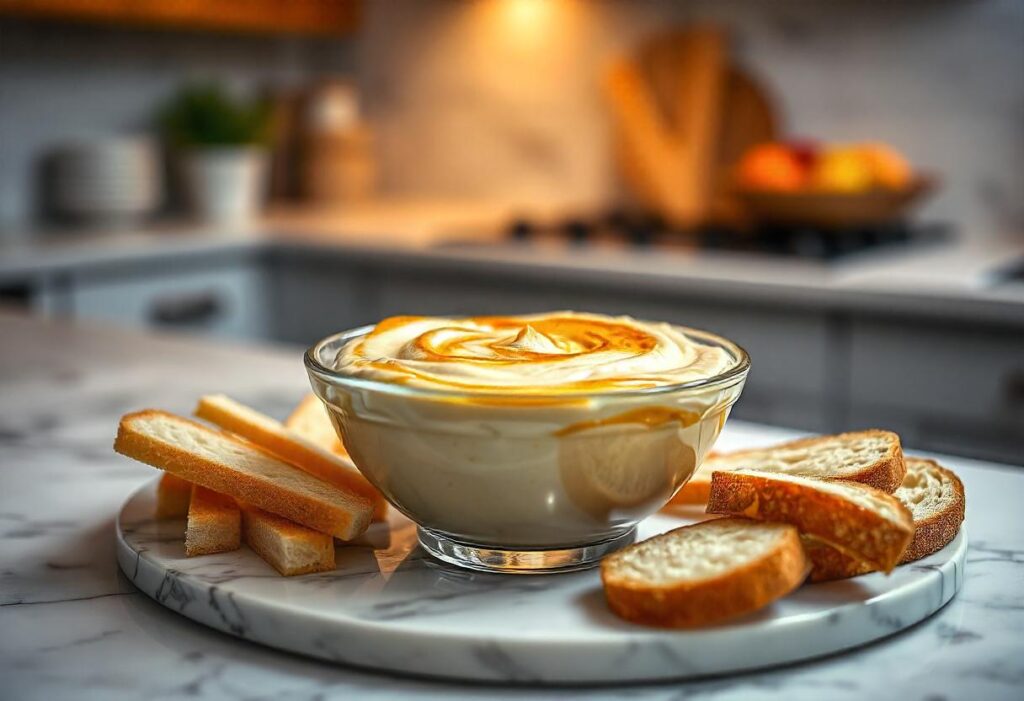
(736, 373)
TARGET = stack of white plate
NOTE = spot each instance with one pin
(107, 180)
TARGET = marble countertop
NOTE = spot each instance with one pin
(72, 627)
(955, 279)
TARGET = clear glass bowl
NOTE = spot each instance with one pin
(532, 482)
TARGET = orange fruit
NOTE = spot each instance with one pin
(771, 167)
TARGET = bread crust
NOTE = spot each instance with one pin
(931, 534)
(695, 492)
(346, 517)
(307, 420)
(853, 529)
(938, 530)
(692, 604)
(266, 534)
(173, 496)
(886, 473)
(294, 449)
(214, 523)
(828, 564)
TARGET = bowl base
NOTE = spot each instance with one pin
(486, 558)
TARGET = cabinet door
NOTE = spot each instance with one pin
(220, 301)
(951, 388)
(313, 299)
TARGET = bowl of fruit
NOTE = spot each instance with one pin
(831, 186)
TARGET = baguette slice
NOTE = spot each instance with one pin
(173, 495)
(232, 466)
(272, 436)
(873, 457)
(861, 521)
(310, 420)
(935, 497)
(214, 523)
(286, 546)
(705, 573)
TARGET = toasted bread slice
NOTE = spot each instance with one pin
(873, 457)
(310, 420)
(233, 466)
(935, 497)
(214, 523)
(705, 573)
(271, 435)
(286, 546)
(173, 495)
(861, 521)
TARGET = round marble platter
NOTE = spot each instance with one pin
(389, 606)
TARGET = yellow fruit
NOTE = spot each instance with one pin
(889, 168)
(843, 169)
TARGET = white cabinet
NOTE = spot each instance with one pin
(957, 388)
(225, 299)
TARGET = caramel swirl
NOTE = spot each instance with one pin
(561, 351)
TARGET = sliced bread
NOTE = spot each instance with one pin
(286, 546)
(861, 521)
(173, 495)
(705, 573)
(310, 420)
(935, 497)
(273, 436)
(214, 523)
(232, 466)
(871, 457)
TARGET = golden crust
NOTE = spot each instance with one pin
(937, 530)
(692, 604)
(853, 529)
(310, 420)
(827, 563)
(931, 534)
(265, 533)
(296, 450)
(695, 492)
(214, 523)
(886, 474)
(173, 495)
(344, 517)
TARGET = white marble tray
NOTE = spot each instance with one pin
(389, 606)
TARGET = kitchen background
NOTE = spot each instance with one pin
(483, 125)
(443, 83)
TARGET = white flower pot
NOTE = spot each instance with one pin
(226, 185)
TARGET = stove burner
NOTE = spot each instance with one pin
(648, 230)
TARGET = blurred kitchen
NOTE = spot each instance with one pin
(838, 186)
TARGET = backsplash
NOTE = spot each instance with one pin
(500, 98)
(467, 101)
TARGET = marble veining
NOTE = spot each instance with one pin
(73, 627)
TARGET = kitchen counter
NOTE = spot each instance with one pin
(958, 279)
(72, 627)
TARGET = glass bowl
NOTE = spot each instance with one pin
(527, 482)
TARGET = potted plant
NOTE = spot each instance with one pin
(221, 143)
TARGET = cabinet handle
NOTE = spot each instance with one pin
(196, 309)
(1015, 388)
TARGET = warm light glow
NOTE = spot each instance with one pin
(526, 15)
(525, 24)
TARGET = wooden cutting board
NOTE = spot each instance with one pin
(684, 114)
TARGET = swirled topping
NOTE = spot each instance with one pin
(556, 352)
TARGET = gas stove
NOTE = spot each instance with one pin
(646, 231)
